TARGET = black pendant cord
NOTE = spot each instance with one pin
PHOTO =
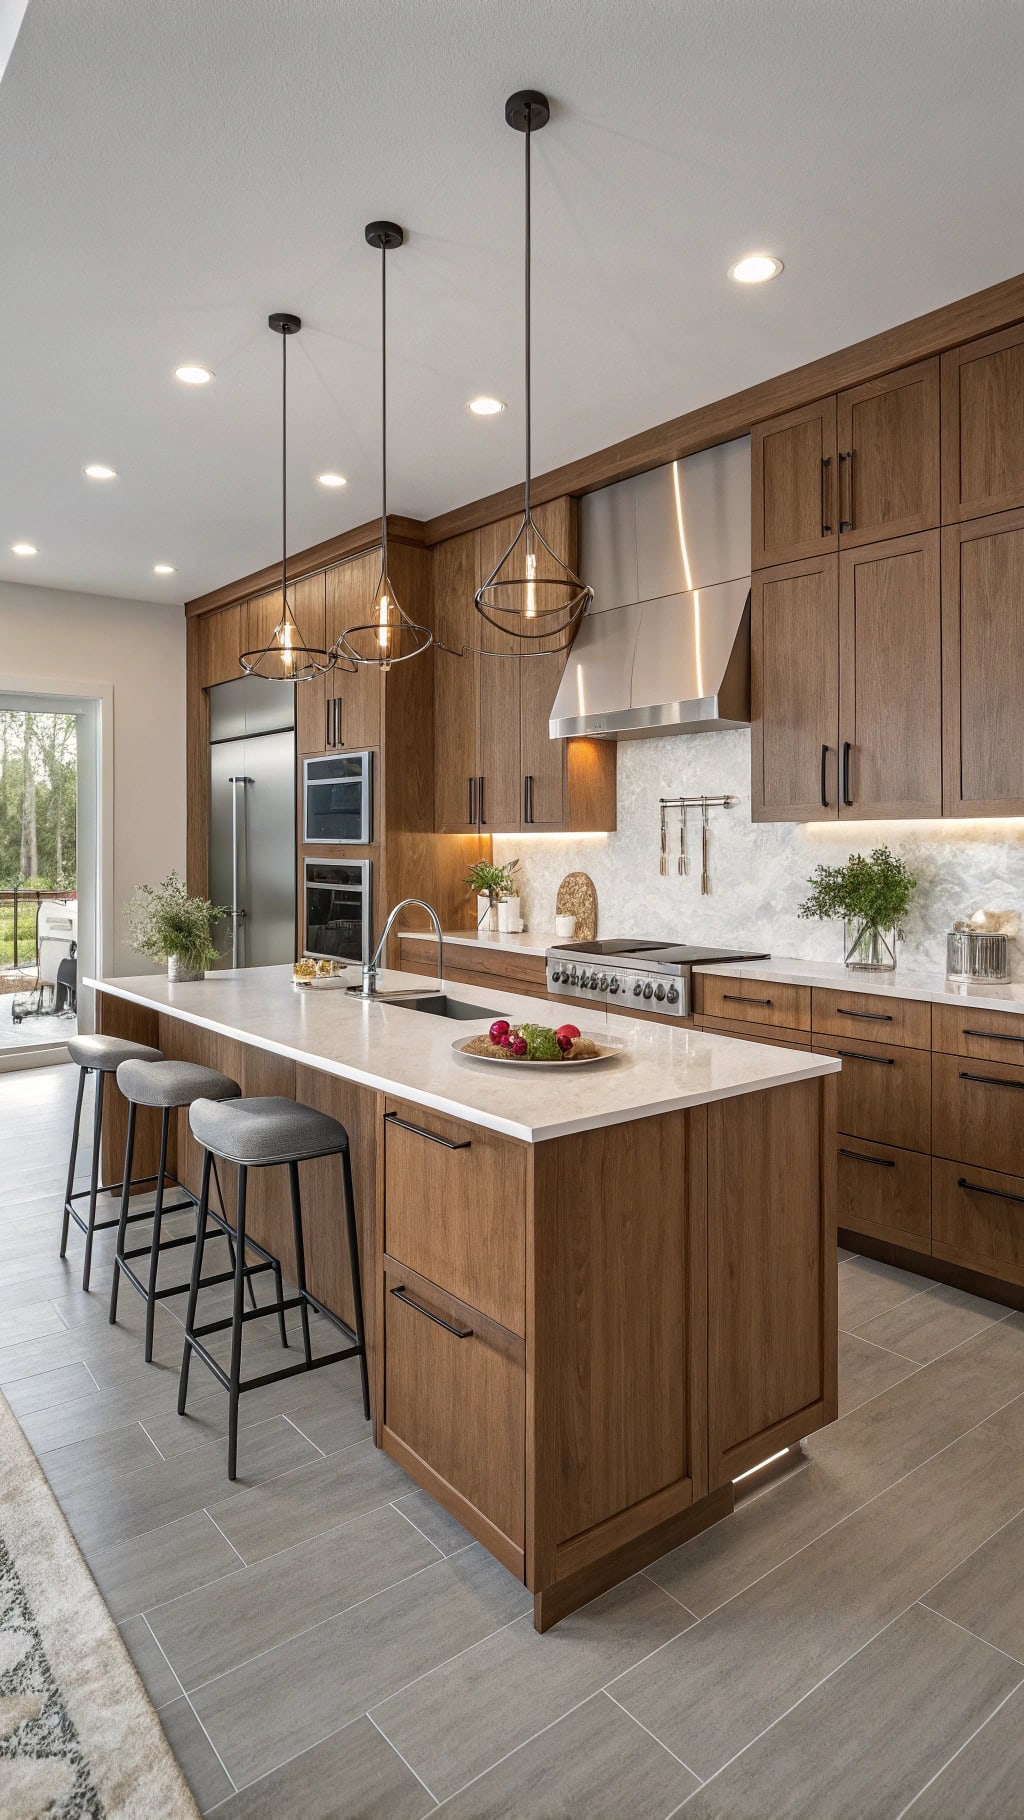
(384, 412)
(284, 477)
(526, 306)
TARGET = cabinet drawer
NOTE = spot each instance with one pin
(883, 1093)
(757, 1001)
(455, 1209)
(978, 1219)
(869, 1014)
(518, 972)
(756, 1033)
(884, 1192)
(988, 1036)
(978, 1112)
(455, 1394)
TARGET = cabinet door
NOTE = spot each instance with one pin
(262, 616)
(456, 706)
(220, 640)
(983, 426)
(543, 758)
(890, 671)
(983, 666)
(794, 676)
(501, 792)
(350, 594)
(793, 485)
(307, 599)
(889, 455)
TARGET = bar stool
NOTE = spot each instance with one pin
(98, 1055)
(166, 1086)
(263, 1134)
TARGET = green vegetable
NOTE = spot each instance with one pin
(541, 1043)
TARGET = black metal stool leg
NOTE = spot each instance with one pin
(357, 1292)
(197, 1274)
(154, 1255)
(74, 1159)
(231, 1243)
(300, 1257)
(129, 1151)
(235, 1372)
(94, 1178)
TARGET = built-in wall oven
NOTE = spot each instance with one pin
(337, 909)
(337, 796)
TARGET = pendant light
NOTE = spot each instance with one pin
(389, 636)
(287, 657)
(532, 595)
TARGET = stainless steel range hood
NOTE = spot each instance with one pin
(665, 647)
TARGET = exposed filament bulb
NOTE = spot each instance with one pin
(531, 591)
(283, 637)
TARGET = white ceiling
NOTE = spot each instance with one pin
(171, 172)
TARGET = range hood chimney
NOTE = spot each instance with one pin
(665, 647)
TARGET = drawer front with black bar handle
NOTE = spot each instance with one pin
(773, 1002)
(978, 1219)
(884, 1192)
(883, 1092)
(872, 1014)
(978, 1113)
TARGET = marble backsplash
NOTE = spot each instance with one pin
(759, 872)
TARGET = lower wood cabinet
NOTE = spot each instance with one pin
(884, 1092)
(978, 1219)
(978, 1112)
(884, 1192)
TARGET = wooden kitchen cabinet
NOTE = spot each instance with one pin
(884, 1192)
(307, 603)
(355, 721)
(456, 696)
(794, 680)
(793, 485)
(983, 426)
(890, 679)
(983, 666)
(220, 640)
(888, 461)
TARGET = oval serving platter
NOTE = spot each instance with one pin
(496, 1061)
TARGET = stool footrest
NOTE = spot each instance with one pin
(225, 1276)
(267, 1377)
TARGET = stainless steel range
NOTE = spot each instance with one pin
(634, 976)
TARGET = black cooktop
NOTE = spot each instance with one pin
(672, 953)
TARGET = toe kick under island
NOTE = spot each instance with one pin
(594, 1297)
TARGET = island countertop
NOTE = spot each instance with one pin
(391, 1049)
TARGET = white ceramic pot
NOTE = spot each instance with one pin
(177, 972)
(509, 919)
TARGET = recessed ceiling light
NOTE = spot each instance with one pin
(193, 375)
(24, 549)
(332, 480)
(98, 470)
(162, 568)
(755, 268)
(486, 407)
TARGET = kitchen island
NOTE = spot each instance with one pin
(594, 1296)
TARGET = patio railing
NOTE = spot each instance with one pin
(18, 911)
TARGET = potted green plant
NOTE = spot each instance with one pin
(166, 924)
(491, 884)
(872, 896)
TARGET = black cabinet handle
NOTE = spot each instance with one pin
(993, 1036)
(847, 798)
(392, 1118)
(858, 1055)
(338, 740)
(461, 1333)
(480, 800)
(998, 1194)
(846, 523)
(472, 802)
(527, 799)
(874, 1017)
(992, 1080)
(824, 777)
(327, 725)
(740, 998)
(857, 1156)
(826, 465)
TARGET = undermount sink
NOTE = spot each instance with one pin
(440, 1005)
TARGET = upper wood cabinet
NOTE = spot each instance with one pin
(307, 603)
(793, 485)
(890, 679)
(983, 426)
(355, 721)
(219, 640)
(456, 691)
(794, 677)
(983, 666)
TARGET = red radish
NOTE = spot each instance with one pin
(499, 1028)
(564, 1040)
(519, 1045)
(504, 1041)
(566, 1030)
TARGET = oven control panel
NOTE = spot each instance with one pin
(616, 987)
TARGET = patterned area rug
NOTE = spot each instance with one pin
(79, 1739)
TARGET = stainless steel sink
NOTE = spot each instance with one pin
(440, 1005)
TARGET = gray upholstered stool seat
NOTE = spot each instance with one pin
(173, 1083)
(259, 1132)
(106, 1053)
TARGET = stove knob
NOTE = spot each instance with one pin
(603, 982)
(613, 984)
(573, 977)
(585, 979)
(555, 975)
(648, 990)
(659, 991)
(637, 989)
(672, 995)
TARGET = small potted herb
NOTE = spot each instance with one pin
(166, 924)
(492, 884)
(872, 896)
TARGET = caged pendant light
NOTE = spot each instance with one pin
(389, 636)
(532, 595)
(287, 657)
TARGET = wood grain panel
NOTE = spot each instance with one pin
(988, 1036)
(456, 685)
(978, 1113)
(307, 599)
(755, 1033)
(983, 426)
(794, 680)
(884, 1191)
(305, 562)
(772, 1002)
(978, 1219)
(349, 602)
(137, 1024)
(888, 435)
(793, 473)
(500, 702)
(870, 1014)
(327, 1260)
(983, 666)
(890, 678)
(883, 1092)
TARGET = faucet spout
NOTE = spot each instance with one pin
(368, 989)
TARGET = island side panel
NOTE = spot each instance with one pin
(771, 1272)
(138, 1024)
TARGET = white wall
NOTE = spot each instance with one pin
(136, 651)
(759, 873)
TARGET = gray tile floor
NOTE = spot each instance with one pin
(324, 1643)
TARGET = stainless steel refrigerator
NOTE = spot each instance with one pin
(252, 818)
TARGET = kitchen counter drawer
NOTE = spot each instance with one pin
(455, 1396)
(756, 1033)
(883, 1092)
(987, 1036)
(978, 1112)
(756, 1001)
(884, 1192)
(868, 1014)
(480, 965)
(455, 1209)
(978, 1219)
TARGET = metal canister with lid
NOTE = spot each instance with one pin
(976, 954)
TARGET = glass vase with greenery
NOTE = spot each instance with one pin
(494, 883)
(166, 924)
(872, 895)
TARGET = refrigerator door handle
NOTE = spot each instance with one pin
(237, 912)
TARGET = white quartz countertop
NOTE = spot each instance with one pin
(528, 942)
(391, 1049)
(933, 987)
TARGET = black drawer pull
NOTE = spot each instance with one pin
(993, 1036)
(996, 1193)
(824, 777)
(858, 1055)
(740, 998)
(461, 1333)
(874, 1017)
(392, 1118)
(881, 1162)
(992, 1080)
